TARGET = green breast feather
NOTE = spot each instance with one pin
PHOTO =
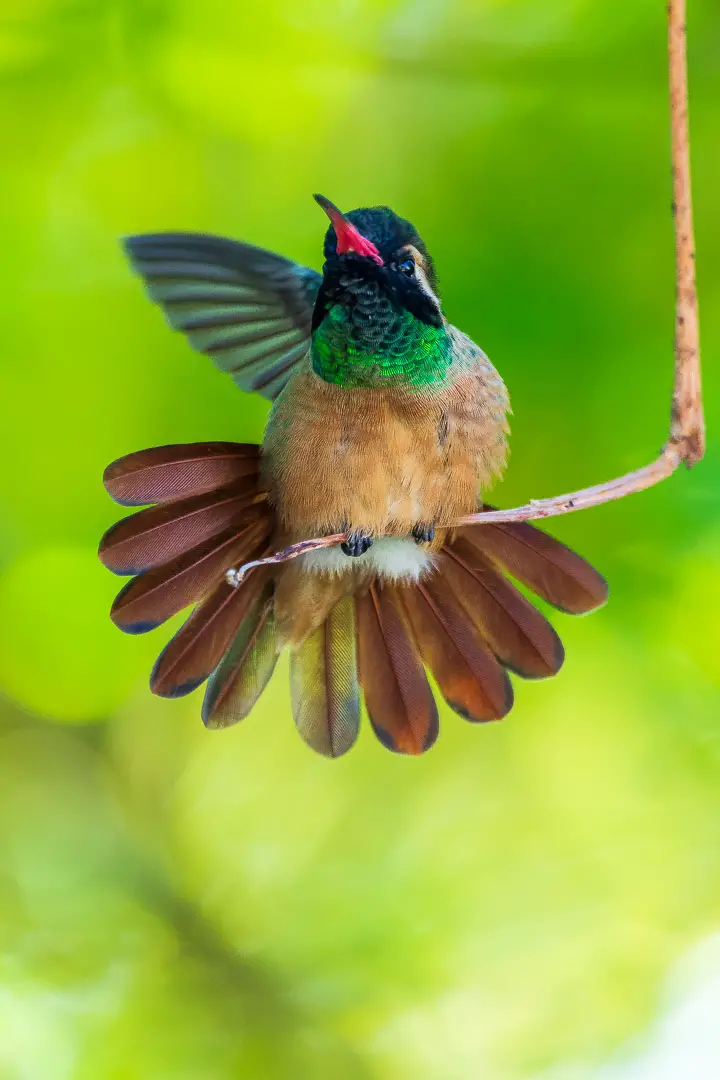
(400, 349)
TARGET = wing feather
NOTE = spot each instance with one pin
(248, 309)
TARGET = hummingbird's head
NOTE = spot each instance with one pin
(376, 262)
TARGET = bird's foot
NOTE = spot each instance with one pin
(357, 543)
(423, 533)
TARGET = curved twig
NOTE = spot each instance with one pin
(686, 441)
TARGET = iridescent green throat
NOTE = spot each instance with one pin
(403, 351)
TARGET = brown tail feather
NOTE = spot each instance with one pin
(164, 473)
(200, 644)
(470, 679)
(519, 635)
(154, 536)
(245, 671)
(398, 697)
(542, 563)
(155, 596)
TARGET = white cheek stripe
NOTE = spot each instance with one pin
(391, 558)
(425, 284)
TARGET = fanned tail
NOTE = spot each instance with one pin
(464, 622)
(469, 626)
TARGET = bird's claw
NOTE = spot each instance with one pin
(356, 544)
(423, 533)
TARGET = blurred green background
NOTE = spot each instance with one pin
(176, 903)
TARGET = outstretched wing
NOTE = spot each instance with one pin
(248, 309)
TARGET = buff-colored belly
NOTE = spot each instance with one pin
(379, 461)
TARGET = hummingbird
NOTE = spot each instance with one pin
(387, 424)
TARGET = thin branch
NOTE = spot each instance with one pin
(688, 423)
(687, 428)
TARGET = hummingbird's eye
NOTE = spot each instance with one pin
(407, 266)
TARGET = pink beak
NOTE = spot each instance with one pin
(348, 237)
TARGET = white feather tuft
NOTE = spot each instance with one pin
(392, 558)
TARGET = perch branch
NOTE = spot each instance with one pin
(686, 441)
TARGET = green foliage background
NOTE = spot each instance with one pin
(182, 904)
